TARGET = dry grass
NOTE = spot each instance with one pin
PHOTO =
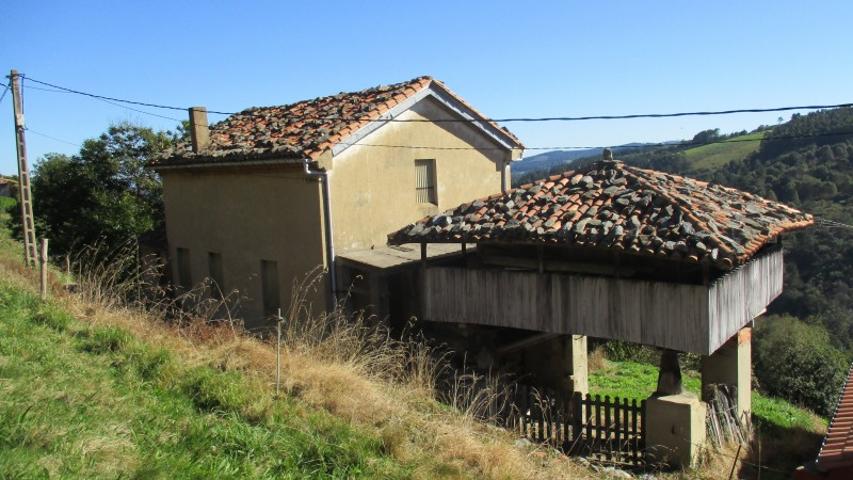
(349, 366)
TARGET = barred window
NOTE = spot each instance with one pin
(425, 181)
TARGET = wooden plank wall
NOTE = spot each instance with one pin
(688, 318)
(652, 313)
(737, 298)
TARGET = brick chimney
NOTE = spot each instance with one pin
(199, 131)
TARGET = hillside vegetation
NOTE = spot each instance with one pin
(91, 387)
(789, 436)
(716, 155)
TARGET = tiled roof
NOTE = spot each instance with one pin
(303, 129)
(837, 448)
(615, 206)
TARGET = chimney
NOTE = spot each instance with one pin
(607, 154)
(199, 131)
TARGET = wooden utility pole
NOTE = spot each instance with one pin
(43, 264)
(24, 194)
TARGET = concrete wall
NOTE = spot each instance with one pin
(373, 188)
(247, 214)
(272, 213)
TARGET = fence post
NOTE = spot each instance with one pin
(577, 421)
(278, 353)
(618, 412)
(43, 267)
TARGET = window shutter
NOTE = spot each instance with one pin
(425, 181)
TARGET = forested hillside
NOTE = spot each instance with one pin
(808, 163)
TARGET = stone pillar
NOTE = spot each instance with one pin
(731, 365)
(559, 363)
(675, 420)
(578, 368)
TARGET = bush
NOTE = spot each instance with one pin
(796, 361)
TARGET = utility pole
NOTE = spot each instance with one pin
(24, 194)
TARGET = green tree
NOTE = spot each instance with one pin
(796, 361)
(706, 136)
(104, 194)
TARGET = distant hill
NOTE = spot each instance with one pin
(545, 161)
(716, 155)
(555, 161)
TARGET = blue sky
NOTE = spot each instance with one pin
(507, 58)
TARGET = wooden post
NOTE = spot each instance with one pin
(24, 194)
(577, 421)
(278, 353)
(43, 266)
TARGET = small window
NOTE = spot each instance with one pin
(425, 181)
(214, 269)
(185, 279)
(269, 287)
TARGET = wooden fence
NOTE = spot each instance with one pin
(608, 430)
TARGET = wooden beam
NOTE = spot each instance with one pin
(566, 266)
(525, 342)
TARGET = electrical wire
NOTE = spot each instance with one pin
(51, 137)
(499, 120)
(4, 92)
(624, 147)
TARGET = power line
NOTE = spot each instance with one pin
(557, 147)
(826, 223)
(500, 120)
(624, 147)
(104, 97)
(52, 138)
(105, 100)
(4, 92)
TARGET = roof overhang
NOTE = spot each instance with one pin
(446, 99)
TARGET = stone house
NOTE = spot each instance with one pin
(7, 186)
(259, 199)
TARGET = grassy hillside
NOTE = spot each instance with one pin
(716, 155)
(639, 380)
(93, 388)
(83, 401)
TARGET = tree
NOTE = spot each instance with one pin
(796, 361)
(104, 194)
(707, 136)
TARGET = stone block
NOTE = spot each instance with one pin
(675, 429)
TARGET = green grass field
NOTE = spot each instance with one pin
(78, 401)
(639, 380)
(714, 156)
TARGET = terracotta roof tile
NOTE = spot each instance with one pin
(837, 448)
(614, 206)
(304, 129)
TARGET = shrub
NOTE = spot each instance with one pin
(796, 361)
(106, 340)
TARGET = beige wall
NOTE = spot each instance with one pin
(373, 188)
(251, 213)
(246, 214)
